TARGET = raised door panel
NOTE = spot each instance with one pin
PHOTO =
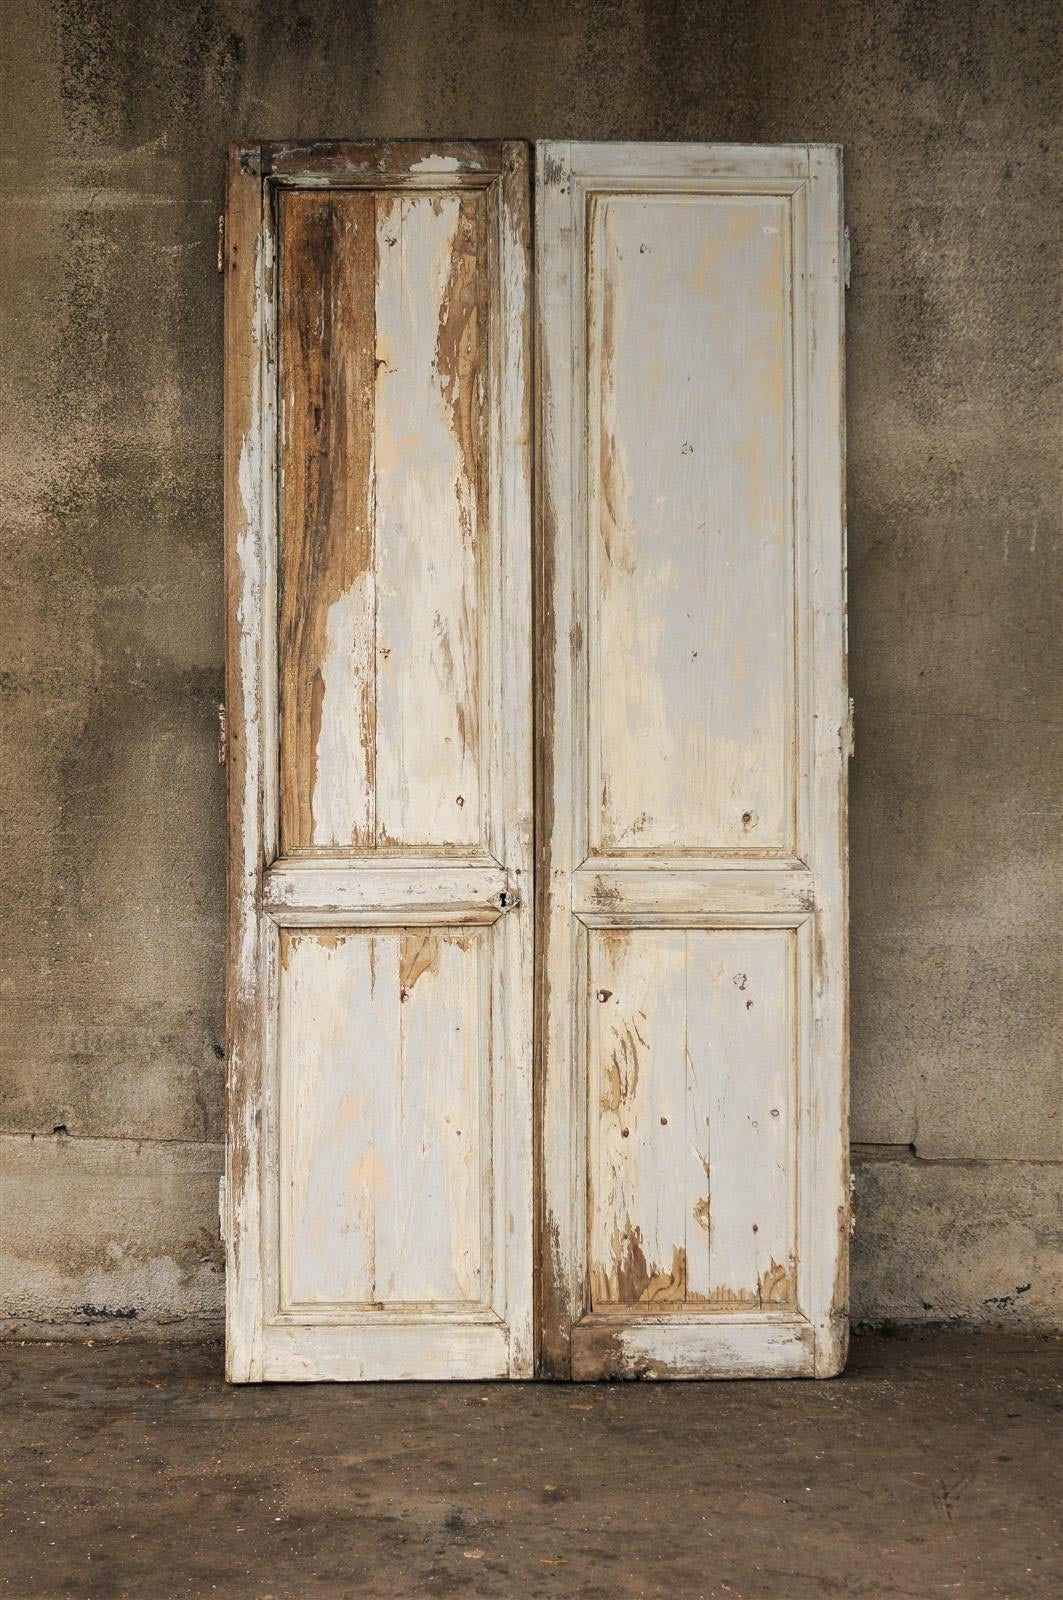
(690, 523)
(379, 1185)
(384, 341)
(691, 1140)
(384, 1080)
(694, 721)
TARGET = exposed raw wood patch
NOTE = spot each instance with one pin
(691, 1162)
(327, 380)
(433, 308)
(775, 1287)
(635, 1280)
(458, 353)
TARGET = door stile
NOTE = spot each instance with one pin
(829, 1162)
(246, 367)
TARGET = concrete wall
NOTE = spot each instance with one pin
(117, 116)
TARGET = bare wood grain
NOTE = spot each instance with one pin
(327, 582)
(244, 361)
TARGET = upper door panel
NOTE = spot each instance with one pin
(385, 313)
(691, 523)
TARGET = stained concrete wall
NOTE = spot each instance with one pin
(116, 116)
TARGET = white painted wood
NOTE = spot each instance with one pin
(692, 1190)
(431, 1349)
(381, 1162)
(301, 893)
(379, 1187)
(692, 807)
(689, 523)
(669, 1348)
(605, 892)
(694, 795)
(740, 1070)
(249, 359)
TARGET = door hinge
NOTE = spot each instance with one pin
(223, 735)
(222, 1230)
(221, 242)
(850, 729)
(852, 1205)
(847, 256)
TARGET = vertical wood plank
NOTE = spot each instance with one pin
(826, 1117)
(327, 694)
(338, 1041)
(510, 602)
(246, 368)
(638, 1105)
(740, 1056)
(561, 1055)
(430, 350)
(429, 1230)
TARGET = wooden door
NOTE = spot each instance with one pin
(379, 1157)
(693, 738)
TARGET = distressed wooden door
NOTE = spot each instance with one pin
(378, 1192)
(693, 742)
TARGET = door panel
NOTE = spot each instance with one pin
(382, 1170)
(693, 739)
(692, 1194)
(384, 312)
(379, 1173)
(690, 523)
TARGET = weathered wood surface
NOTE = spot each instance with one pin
(383, 337)
(381, 1011)
(690, 484)
(691, 810)
(692, 1193)
(246, 358)
(692, 935)
(382, 1165)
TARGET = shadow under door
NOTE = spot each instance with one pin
(537, 740)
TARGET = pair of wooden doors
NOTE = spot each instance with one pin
(537, 752)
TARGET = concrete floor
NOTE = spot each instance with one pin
(933, 1468)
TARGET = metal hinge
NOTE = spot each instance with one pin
(221, 243)
(850, 730)
(852, 1205)
(221, 1207)
(223, 734)
(847, 257)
